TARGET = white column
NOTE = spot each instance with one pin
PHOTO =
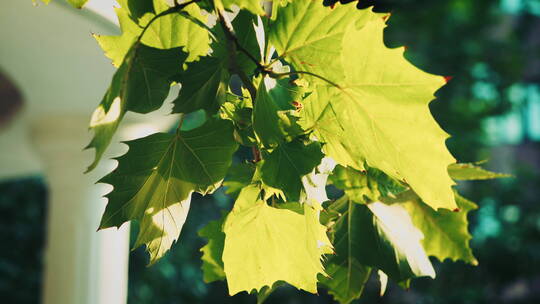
(82, 266)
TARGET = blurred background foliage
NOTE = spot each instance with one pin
(491, 106)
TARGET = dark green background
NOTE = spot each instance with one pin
(491, 107)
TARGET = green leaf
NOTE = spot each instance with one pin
(74, 3)
(170, 31)
(204, 86)
(238, 177)
(309, 35)
(371, 184)
(243, 26)
(253, 6)
(77, 3)
(470, 171)
(154, 181)
(267, 291)
(137, 9)
(379, 114)
(290, 251)
(140, 85)
(212, 264)
(446, 234)
(346, 279)
(240, 110)
(287, 164)
(381, 236)
(271, 124)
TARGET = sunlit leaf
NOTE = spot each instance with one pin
(154, 181)
(469, 171)
(296, 241)
(140, 85)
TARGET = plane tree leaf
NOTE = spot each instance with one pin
(470, 171)
(370, 184)
(205, 82)
(154, 181)
(287, 164)
(77, 3)
(253, 6)
(169, 31)
(309, 35)
(204, 86)
(379, 114)
(239, 176)
(292, 238)
(380, 236)
(212, 263)
(318, 102)
(272, 124)
(74, 3)
(446, 234)
(140, 85)
(346, 279)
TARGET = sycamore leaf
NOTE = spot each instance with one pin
(446, 234)
(309, 35)
(154, 181)
(346, 279)
(371, 184)
(140, 85)
(379, 114)
(137, 9)
(212, 264)
(77, 3)
(264, 245)
(74, 3)
(170, 31)
(381, 236)
(205, 82)
(243, 26)
(271, 124)
(285, 92)
(204, 86)
(240, 110)
(470, 171)
(287, 164)
(254, 6)
(266, 291)
(238, 177)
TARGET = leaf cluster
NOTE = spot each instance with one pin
(320, 100)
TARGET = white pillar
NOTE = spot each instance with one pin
(82, 266)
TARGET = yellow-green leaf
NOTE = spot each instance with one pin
(470, 171)
(140, 85)
(446, 234)
(212, 264)
(170, 31)
(378, 114)
(264, 245)
(154, 181)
